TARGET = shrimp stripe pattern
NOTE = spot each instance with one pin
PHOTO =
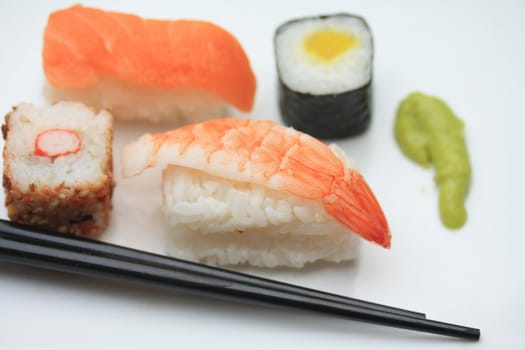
(274, 156)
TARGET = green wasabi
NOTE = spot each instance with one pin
(428, 132)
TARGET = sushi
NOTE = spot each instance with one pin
(58, 168)
(157, 70)
(324, 65)
(241, 191)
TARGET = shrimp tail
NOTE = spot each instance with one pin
(353, 204)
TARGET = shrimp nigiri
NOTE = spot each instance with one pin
(160, 70)
(250, 191)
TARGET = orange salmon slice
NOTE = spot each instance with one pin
(83, 45)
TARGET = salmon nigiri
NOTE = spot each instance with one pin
(181, 70)
(249, 191)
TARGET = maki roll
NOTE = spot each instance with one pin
(324, 66)
(58, 168)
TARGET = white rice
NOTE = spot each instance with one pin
(84, 167)
(132, 102)
(300, 73)
(223, 222)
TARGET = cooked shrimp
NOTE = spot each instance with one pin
(264, 153)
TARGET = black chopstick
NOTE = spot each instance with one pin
(41, 237)
(30, 251)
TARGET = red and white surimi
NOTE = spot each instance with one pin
(57, 142)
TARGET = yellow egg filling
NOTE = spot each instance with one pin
(328, 44)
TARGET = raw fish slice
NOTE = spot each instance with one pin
(265, 153)
(84, 45)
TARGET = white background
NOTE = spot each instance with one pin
(471, 53)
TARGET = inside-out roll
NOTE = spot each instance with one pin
(58, 167)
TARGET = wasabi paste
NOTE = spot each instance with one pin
(428, 132)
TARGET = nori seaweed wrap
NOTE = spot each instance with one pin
(324, 66)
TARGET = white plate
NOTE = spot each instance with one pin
(469, 53)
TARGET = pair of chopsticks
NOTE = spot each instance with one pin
(41, 248)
